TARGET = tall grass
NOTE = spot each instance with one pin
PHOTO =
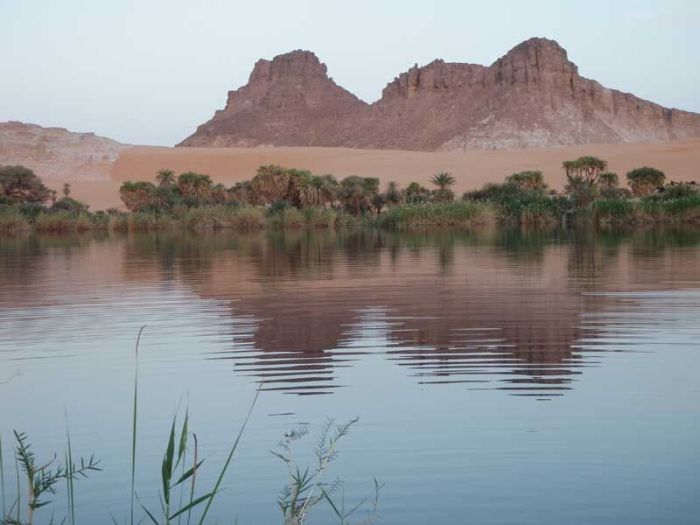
(612, 210)
(450, 214)
(680, 210)
(12, 221)
(62, 221)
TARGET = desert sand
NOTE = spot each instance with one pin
(679, 160)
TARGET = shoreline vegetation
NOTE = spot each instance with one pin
(285, 198)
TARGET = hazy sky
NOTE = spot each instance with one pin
(150, 71)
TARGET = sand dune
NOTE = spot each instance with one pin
(680, 161)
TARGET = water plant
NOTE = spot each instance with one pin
(306, 487)
(41, 479)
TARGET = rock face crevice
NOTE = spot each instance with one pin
(532, 96)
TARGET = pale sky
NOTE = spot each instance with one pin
(150, 71)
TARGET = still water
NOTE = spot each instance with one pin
(500, 377)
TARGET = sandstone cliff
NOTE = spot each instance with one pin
(56, 153)
(532, 96)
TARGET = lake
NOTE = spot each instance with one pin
(500, 377)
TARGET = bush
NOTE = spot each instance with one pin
(532, 208)
(432, 214)
(492, 192)
(528, 181)
(19, 184)
(31, 210)
(290, 217)
(248, 218)
(320, 217)
(644, 181)
(678, 190)
(69, 204)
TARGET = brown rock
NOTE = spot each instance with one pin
(56, 153)
(532, 96)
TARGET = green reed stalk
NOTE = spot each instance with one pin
(133, 425)
(19, 493)
(2, 481)
(215, 490)
(69, 478)
(194, 478)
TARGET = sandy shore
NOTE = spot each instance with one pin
(680, 161)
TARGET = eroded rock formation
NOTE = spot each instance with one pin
(532, 96)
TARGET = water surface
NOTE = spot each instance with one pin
(500, 377)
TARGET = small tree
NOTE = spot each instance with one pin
(194, 187)
(393, 194)
(66, 190)
(527, 180)
(582, 176)
(416, 194)
(608, 180)
(584, 170)
(19, 184)
(137, 196)
(165, 178)
(357, 193)
(644, 181)
(443, 180)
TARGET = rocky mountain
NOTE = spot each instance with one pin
(532, 96)
(56, 153)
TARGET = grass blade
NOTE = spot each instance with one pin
(133, 425)
(2, 481)
(191, 504)
(230, 456)
(167, 467)
(69, 477)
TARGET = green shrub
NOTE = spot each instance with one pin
(248, 218)
(208, 218)
(532, 208)
(287, 218)
(644, 181)
(432, 214)
(320, 217)
(678, 190)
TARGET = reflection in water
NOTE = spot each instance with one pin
(507, 310)
(439, 341)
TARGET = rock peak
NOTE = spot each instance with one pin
(533, 96)
(297, 63)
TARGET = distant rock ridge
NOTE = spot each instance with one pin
(532, 96)
(56, 153)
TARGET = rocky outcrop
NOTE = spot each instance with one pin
(532, 96)
(56, 153)
(288, 100)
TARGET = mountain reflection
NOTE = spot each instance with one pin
(506, 310)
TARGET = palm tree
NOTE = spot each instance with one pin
(165, 177)
(66, 190)
(443, 179)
